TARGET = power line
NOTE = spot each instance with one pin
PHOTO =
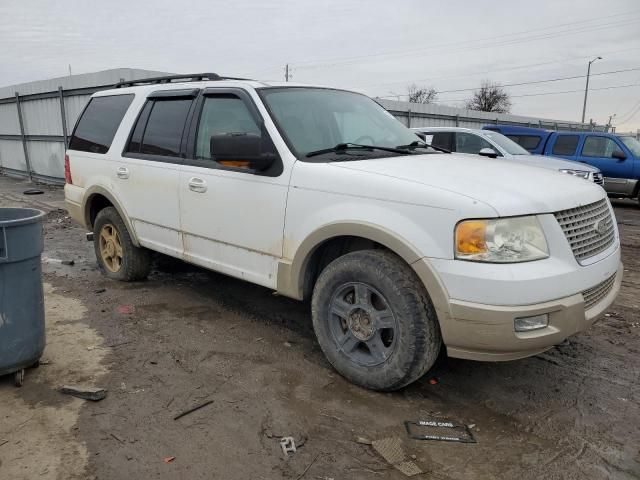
(519, 67)
(491, 40)
(532, 94)
(629, 114)
(544, 81)
(534, 82)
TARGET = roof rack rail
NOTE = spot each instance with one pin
(187, 77)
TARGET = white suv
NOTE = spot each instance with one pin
(320, 193)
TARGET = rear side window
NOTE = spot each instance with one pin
(598, 147)
(565, 145)
(99, 123)
(470, 143)
(443, 140)
(159, 128)
(530, 142)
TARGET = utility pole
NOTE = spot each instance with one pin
(609, 125)
(286, 72)
(586, 88)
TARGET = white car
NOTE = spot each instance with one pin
(320, 193)
(488, 143)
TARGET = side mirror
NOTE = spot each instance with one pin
(488, 152)
(242, 150)
(619, 154)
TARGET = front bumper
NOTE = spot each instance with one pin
(486, 332)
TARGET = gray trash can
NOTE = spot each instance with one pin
(21, 296)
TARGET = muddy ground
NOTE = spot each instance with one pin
(187, 336)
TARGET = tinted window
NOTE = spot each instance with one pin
(506, 143)
(442, 140)
(469, 143)
(530, 142)
(163, 132)
(136, 137)
(599, 147)
(565, 145)
(99, 123)
(223, 114)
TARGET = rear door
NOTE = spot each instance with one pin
(564, 145)
(146, 176)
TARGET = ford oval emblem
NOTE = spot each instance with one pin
(600, 227)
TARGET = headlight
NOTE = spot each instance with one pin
(501, 240)
(576, 173)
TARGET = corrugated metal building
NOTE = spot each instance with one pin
(36, 119)
(432, 115)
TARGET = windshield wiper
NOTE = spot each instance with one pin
(418, 144)
(343, 147)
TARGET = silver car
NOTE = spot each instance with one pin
(493, 144)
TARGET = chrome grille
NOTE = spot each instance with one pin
(598, 178)
(589, 229)
(594, 294)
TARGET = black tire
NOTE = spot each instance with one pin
(409, 354)
(135, 263)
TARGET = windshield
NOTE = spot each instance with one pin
(632, 144)
(505, 143)
(313, 119)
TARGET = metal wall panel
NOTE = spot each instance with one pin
(47, 158)
(83, 80)
(12, 155)
(9, 124)
(41, 117)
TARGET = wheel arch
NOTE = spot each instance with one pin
(293, 276)
(98, 196)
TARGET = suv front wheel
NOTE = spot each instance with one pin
(117, 256)
(374, 320)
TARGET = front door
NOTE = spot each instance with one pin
(232, 217)
(598, 151)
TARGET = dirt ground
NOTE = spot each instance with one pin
(187, 336)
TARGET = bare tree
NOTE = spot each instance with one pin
(491, 97)
(421, 94)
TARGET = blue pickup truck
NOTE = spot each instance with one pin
(617, 156)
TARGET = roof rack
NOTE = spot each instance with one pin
(187, 77)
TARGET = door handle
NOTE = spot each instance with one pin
(197, 185)
(122, 172)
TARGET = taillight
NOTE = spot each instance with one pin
(67, 170)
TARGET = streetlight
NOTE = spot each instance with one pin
(586, 88)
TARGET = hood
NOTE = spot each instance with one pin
(510, 188)
(554, 163)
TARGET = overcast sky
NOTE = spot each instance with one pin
(376, 46)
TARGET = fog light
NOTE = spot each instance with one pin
(526, 324)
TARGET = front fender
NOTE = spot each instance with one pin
(291, 274)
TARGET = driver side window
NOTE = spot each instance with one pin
(469, 143)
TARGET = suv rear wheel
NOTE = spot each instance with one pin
(117, 256)
(374, 320)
